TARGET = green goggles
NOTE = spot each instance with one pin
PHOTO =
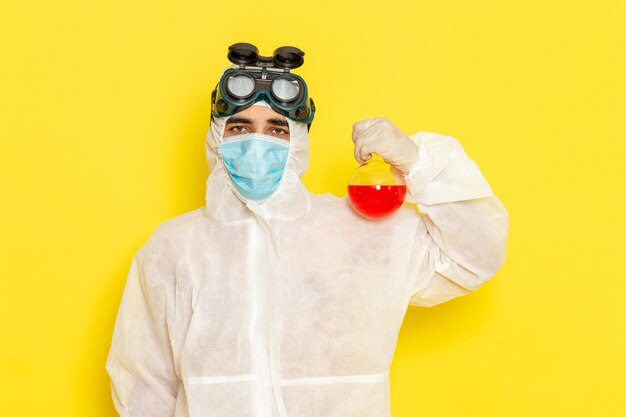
(268, 79)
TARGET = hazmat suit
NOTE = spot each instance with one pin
(291, 306)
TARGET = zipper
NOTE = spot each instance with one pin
(259, 403)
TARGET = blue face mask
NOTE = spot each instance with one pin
(255, 163)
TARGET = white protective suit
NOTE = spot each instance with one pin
(292, 306)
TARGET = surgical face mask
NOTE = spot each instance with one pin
(255, 163)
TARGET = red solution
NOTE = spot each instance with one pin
(376, 201)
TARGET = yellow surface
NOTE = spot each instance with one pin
(103, 111)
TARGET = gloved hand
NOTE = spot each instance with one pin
(381, 137)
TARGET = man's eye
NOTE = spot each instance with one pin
(238, 128)
(279, 131)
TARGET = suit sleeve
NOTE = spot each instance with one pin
(140, 363)
(465, 224)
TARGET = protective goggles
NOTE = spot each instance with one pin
(263, 78)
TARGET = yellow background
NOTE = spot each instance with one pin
(103, 111)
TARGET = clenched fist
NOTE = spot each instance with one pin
(381, 137)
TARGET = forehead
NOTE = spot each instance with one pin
(258, 113)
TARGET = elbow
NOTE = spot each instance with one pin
(497, 244)
(481, 259)
(490, 250)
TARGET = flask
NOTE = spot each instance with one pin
(376, 190)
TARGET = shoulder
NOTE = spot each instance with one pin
(167, 236)
(323, 203)
(337, 211)
(326, 198)
(178, 225)
(432, 139)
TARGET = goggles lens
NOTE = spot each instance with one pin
(240, 86)
(285, 89)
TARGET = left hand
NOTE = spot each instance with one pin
(381, 137)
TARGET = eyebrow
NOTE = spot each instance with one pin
(234, 120)
(244, 121)
(278, 122)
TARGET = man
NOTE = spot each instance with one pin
(270, 301)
